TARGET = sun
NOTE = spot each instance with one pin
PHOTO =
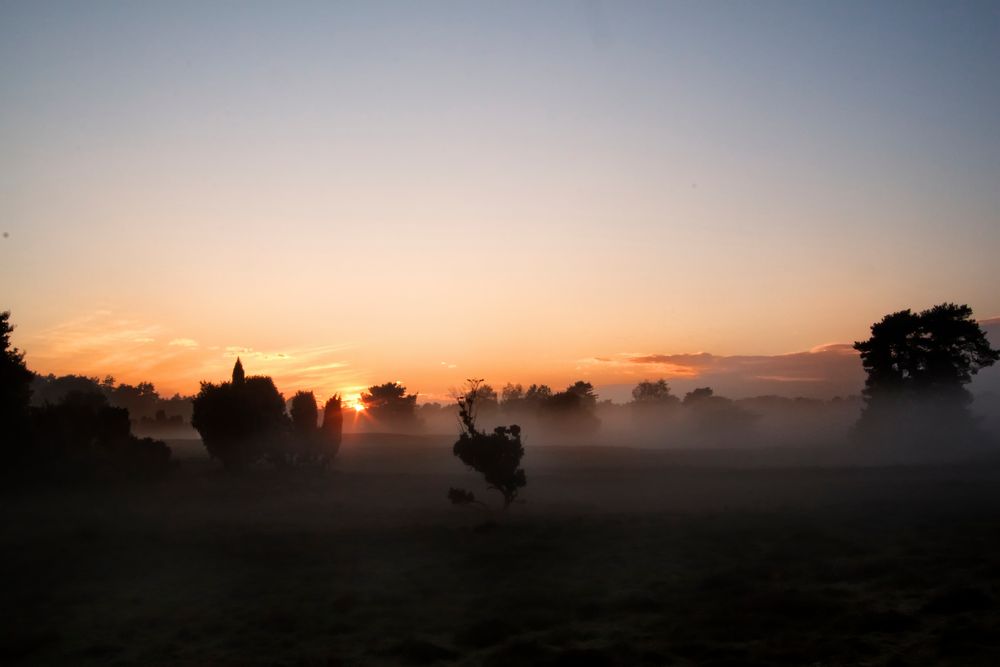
(352, 401)
(355, 404)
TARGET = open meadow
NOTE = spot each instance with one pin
(615, 557)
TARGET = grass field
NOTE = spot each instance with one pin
(615, 558)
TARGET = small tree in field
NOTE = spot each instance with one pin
(332, 429)
(305, 427)
(315, 445)
(496, 455)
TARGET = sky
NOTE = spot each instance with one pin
(352, 193)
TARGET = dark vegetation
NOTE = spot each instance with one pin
(620, 557)
(79, 438)
(918, 366)
(15, 391)
(315, 445)
(243, 422)
(497, 455)
(149, 412)
(391, 407)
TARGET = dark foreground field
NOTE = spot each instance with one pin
(621, 561)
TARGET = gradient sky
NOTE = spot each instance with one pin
(350, 193)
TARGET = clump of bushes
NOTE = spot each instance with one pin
(243, 421)
(497, 455)
(78, 437)
(332, 429)
(312, 444)
(82, 436)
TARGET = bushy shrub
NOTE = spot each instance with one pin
(497, 455)
(305, 428)
(82, 436)
(242, 421)
(332, 429)
(315, 445)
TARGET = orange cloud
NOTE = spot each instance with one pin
(825, 370)
(102, 343)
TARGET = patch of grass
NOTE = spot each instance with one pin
(349, 570)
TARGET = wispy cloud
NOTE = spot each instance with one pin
(101, 343)
(828, 369)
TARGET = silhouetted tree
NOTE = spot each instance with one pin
(512, 399)
(239, 377)
(305, 413)
(305, 428)
(717, 419)
(496, 455)
(51, 389)
(332, 430)
(487, 404)
(83, 436)
(179, 406)
(511, 392)
(537, 394)
(918, 365)
(572, 411)
(585, 391)
(654, 410)
(140, 400)
(699, 395)
(15, 392)
(657, 393)
(390, 406)
(512, 403)
(78, 436)
(242, 420)
(932, 353)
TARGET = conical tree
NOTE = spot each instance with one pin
(239, 377)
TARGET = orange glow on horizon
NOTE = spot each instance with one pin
(353, 402)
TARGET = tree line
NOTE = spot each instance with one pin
(80, 435)
(918, 366)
